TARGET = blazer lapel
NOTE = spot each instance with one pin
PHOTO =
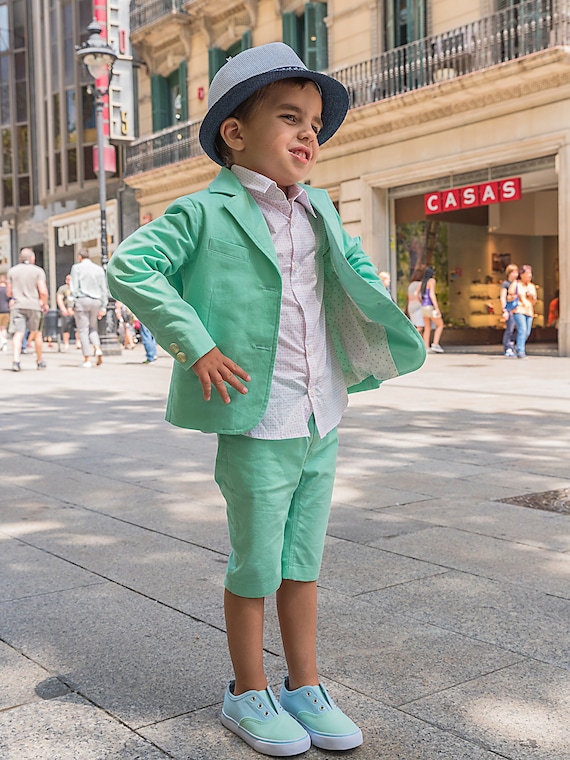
(246, 213)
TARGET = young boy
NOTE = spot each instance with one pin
(271, 311)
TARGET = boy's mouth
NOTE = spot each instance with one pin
(304, 154)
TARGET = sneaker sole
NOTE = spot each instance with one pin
(326, 741)
(274, 749)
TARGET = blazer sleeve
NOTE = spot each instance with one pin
(145, 273)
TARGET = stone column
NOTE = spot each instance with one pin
(564, 248)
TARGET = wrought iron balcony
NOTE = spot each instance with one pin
(520, 30)
(146, 12)
(164, 148)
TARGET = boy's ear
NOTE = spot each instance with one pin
(230, 131)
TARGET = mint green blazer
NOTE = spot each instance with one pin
(206, 274)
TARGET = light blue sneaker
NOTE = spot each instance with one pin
(258, 719)
(327, 725)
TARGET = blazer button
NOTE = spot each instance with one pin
(181, 357)
(174, 348)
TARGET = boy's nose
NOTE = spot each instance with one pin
(307, 132)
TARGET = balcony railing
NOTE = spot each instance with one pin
(145, 12)
(164, 148)
(522, 29)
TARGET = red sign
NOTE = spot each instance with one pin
(473, 195)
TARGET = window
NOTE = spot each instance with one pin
(306, 33)
(4, 29)
(405, 22)
(217, 57)
(169, 98)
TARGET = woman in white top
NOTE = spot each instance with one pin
(414, 306)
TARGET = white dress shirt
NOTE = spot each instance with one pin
(307, 377)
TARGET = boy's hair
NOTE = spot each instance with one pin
(246, 110)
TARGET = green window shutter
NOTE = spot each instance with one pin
(246, 40)
(316, 43)
(216, 59)
(390, 26)
(160, 102)
(183, 85)
(416, 20)
(290, 32)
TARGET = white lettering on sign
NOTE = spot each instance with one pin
(433, 203)
(83, 231)
(472, 196)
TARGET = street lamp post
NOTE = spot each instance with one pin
(99, 58)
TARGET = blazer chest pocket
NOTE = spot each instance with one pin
(220, 247)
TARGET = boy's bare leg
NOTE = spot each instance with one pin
(244, 625)
(297, 609)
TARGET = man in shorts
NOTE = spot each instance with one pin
(28, 292)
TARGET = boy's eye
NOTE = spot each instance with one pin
(316, 129)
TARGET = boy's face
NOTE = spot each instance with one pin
(279, 140)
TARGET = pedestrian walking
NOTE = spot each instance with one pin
(257, 269)
(509, 302)
(4, 313)
(28, 294)
(64, 302)
(431, 311)
(524, 312)
(90, 298)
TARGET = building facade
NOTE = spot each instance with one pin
(49, 198)
(444, 96)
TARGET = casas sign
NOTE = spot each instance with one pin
(473, 195)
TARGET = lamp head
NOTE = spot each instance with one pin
(96, 54)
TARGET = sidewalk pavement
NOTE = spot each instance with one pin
(444, 611)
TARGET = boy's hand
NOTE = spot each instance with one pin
(216, 369)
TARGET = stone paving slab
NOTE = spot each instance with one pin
(367, 493)
(393, 657)
(543, 530)
(373, 525)
(488, 557)
(28, 571)
(136, 658)
(133, 557)
(520, 712)
(352, 569)
(19, 678)
(510, 616)
(69, 728)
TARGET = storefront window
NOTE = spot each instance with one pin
(68, 50)
(23, 165)
(419, 245)
(71, 116)
(4, 29)
(470, 249)
(19, 11)
(6, 151)
(72, 165)
(24, 191)
(4, 89)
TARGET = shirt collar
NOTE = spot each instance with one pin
(262, 185)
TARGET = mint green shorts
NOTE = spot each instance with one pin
(278, 496)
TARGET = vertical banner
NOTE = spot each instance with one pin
(121, 92)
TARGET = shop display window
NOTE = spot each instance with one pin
(470, 249)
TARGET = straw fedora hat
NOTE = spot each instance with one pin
(251, 70)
